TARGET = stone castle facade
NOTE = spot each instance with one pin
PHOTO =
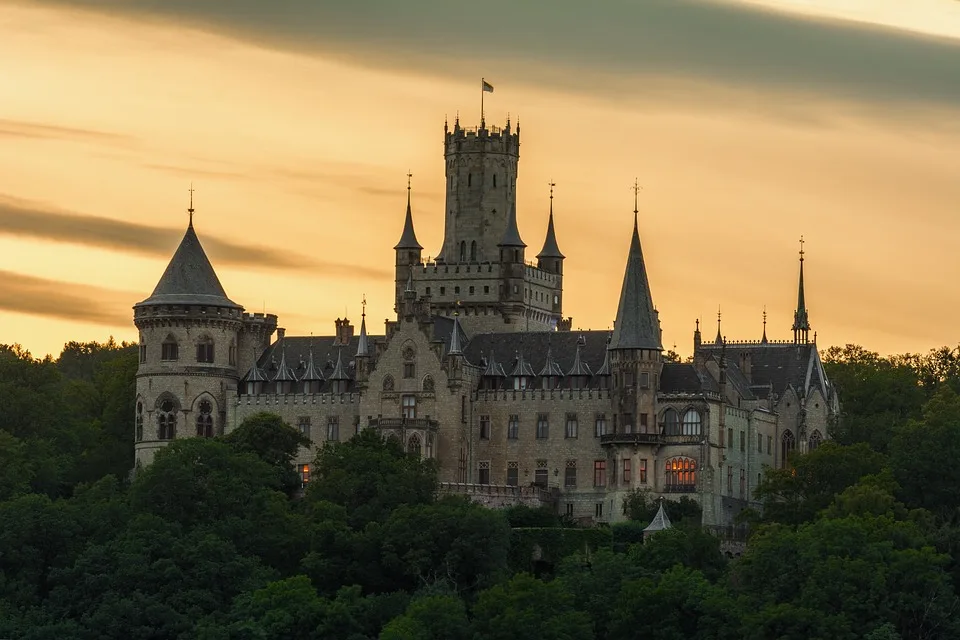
(481, 371)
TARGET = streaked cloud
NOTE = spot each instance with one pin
(20, 293)
(40, 131)
(28, 219)
(591, 47)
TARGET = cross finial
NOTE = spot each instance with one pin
(552, 185)
(409, 176)
(801, 248)
(764, 316)
(636, 196)
(190, 210)
(363, 304)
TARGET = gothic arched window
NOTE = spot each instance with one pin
(414, 445)
(167, 420)
(787, 445)
(388, 383)
(473, 251)
(671, 423)
(169, 349)
(816, 439)
(205, 350)
(680, 474)
(139, 434)
(429, 449)
(463, 251)
(691, 423)
(205, 420)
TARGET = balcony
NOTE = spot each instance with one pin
(425, 424)
(631, 438)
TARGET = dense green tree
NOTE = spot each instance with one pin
(371, 476)
(272, 440)
(796, 494)
(594, 580)
(430, 618)
(526, 607)
(642, 506)
(689, 547)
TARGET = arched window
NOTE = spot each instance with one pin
(494, 181)
(469, 179)
(388, 383)
(680, 474)
(139, 421)
(473, 251)
(816, 439)
(463, 251)
(787, 445)
(169, 349)
(428, 385)
(167, 419)
(205, 420)
(671, 423)
(414, 445)
(691, 423)
(429, 449)
(205, 350)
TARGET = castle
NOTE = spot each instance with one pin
(481, 371)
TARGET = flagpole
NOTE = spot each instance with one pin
(481, 101)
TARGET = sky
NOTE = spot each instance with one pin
(748, 124)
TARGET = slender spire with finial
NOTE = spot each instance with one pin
(719, 339)
(363, 349)
(456, 341)
(190, 210)
(636, 197)
(801, 322)
(550, 247)
(408, 239)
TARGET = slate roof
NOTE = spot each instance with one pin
(511, 235)
(297, 350)
(534, 346)
(637, 326)
(189, 278)
(408, 238)
(550, 248)
(684, 378)
(777, 365)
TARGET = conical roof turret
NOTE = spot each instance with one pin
(511, 235)
(339, 372)
(456, 339)
(522, 368)
(550, 367)
(189, 277)
(363, 347)
(408, 239)
(284, 372)
(579, 367)
(637, 326)
(550, 248)
(801, 322)
(312, 373)
(493, 369)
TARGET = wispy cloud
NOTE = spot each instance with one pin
(39, 131)
(54, 299)
(581, 46)
(22, 218)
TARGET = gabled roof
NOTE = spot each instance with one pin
(779, 366)
(676, 377)
(189, 278)
(637, 326)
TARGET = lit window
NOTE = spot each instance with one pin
(304, 475)
(681, 474)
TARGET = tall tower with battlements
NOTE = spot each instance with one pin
(481, 173)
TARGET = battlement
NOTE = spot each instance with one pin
(490, 139)
(186, 311)
(437, 271)
(260, 318)
(751, 343)
(301, 399)
(539, 395)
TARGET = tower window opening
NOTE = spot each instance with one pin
(205, 420)
(205, 350)
(494, 181)
(169, 350)
(167, 420)
(473, 251)
(463, 251)
(469, 179)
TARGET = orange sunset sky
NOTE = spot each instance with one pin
(747, 123)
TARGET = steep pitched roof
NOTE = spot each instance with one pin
(511, 235)
(780, 366)
(637, 326)
(550, 248)
(659, 522)
(408, 239)
(363, 349)
(189, 278)
(534, 346)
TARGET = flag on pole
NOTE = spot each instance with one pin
(487, 86)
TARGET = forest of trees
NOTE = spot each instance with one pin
(858, 539)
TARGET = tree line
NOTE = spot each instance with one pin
(859, 538)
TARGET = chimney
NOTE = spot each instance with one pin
(344, 332)
(746, 366)
(280, 333)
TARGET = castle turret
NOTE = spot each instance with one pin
(481, 190)
(408, 250)
(362, 358)
(189, 332)
(550, 259)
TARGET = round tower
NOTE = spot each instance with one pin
(481, 173)
(189, 332)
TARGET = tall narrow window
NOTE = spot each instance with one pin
(570, 475)
(169, 349)
(167, 420)
(600, 425)
(815, 440)
(543, 426)
(143, 350)
(303, 424)
(139, 421)
(469, 179)
(513, 427)
(205, 350)
(333, 428)
(409, 407)
(483, 472)
(463, 251)
(572, 426)
(671, 423)
(414, 445)
(304, 470)
(599, 473)
(729, 481)
(205, 420)
(743, 441)
(513, 474)
(759, 443)
(691, 423)
(540, 475)
(484, 427)
(473, 251)
(643, 471)
(494, 181)
(626, 471)
(743, 484)
(787, 445)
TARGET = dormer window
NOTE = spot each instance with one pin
(205, 350)
(169, 349)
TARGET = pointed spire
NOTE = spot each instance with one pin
(493, 369)
(255, 374)
(189, 277)
(456, 339)
(550, 248)
(550, 367)
(339, 373)
(719, 337)
(522, 368)
(604, 369)
(660, 521)
(801, 323)
(410, 288)
(763, 340)
(408, 239)
(579, 367)
(190, 208)
(363, 349)
(284, 372)
(511, 236)
(637, 325)
(312, 373)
